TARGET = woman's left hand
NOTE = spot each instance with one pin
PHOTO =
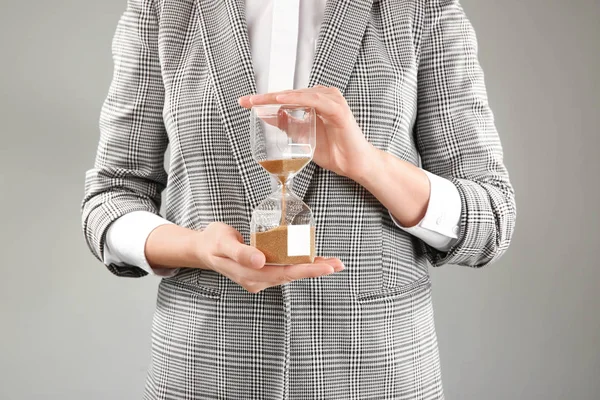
(341, 145)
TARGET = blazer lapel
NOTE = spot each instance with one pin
(341, 34)
(227, 49)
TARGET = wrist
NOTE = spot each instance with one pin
(196, 250)
(173, 246)
(370, 163)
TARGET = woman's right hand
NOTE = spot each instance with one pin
(220, 247)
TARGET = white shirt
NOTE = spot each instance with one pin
(283, 35)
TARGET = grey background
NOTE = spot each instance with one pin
(526, 328)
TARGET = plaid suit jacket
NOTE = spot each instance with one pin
(409, 71)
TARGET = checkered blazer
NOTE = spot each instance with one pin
(409, 71)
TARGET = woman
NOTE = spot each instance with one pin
(396, 84)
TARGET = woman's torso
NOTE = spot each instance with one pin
(365, 333)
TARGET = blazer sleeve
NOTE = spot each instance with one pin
(457, 138)
(128, 173)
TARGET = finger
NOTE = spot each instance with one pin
(296, 123)
(280, 120)
(323, 104)
(330, 91)
(245, 101)
(242, 254)
(336, 263)
(271, 97)
(291, 273)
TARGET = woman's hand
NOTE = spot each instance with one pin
(221, 248)
(342, 148)
(340, 140)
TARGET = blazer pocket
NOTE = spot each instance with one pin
(398, 292)
(196, 282)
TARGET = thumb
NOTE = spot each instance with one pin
(245, 255)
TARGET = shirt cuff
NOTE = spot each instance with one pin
(439, 227)
(126, 241)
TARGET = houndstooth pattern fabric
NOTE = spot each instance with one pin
(409, 71)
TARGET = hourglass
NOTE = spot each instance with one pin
(283, 139)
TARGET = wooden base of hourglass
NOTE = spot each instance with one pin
(273, 243)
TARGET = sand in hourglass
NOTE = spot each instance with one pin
(282, 168)
(273, 243)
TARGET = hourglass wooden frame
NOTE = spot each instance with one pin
(283, 141)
